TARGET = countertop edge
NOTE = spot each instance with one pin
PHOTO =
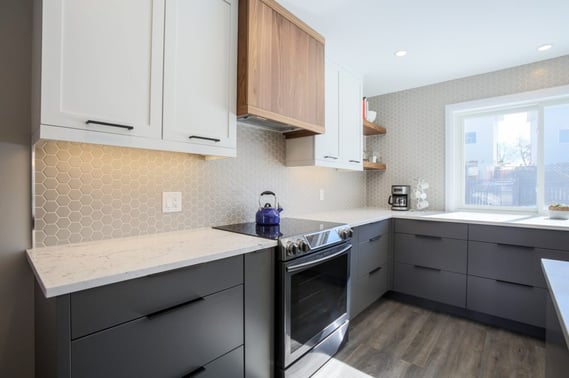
(562, 319)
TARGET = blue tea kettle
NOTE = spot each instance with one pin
(267, 214)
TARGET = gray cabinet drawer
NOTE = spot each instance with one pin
(229, 365)
(432, 252)
(432, 228)
(367, 289)
(372, 255)
(549, 239)
(170, 344)
(436, 285)
(103, 307)
(372, 230)
(524, 304)
(510, 262)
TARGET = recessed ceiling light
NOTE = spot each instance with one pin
(544, 47)
(400, 53)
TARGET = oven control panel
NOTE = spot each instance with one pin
(300, 245)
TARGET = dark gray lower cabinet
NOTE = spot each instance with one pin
(371, 265)
(433, 284)
(164, 345)
(211, 320)
(507, 300)
(556, 349)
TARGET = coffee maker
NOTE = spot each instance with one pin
(399, 198)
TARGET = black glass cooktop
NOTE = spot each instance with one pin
(287, 228)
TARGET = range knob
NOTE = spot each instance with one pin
(345, 233)
(302, 245)
(291, 248)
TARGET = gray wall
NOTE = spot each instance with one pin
(414, 145)
(16, 281)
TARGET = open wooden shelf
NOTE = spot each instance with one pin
(369, 166)
(373, 129)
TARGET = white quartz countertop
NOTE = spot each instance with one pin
(557, 276)
(73, 267)
(360, 216)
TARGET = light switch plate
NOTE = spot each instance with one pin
(171, 202)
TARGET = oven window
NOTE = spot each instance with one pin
(318, 298)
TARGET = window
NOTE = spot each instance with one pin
(509, 153)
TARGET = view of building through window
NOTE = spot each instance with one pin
(502, 157)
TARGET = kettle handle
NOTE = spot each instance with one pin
(268, 193)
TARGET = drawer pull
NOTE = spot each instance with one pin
(355, 161)
(515, 246)
(426, 268)
(375, 270)
(428, 237)
(195, 372)
(375, 238)
(109, 124)
(514, 283)
(166, 310)
(205, 138)
(331, 157)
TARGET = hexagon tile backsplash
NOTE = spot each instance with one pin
(87, 192)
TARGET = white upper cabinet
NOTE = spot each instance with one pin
(200, 74)
(101, 66)
(351, 132)
(155, 74)
(341, 145)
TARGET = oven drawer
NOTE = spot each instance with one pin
(169, 344)
(436, 285)
(367, 289)
(103, 307)
(432, 252)
(432, 228)
(524, 304)
(510, 262)
(371, 255)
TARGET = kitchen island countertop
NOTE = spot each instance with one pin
(557, 276)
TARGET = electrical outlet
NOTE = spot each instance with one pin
(171, 202)
(321, 194)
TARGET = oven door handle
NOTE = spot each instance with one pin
(308, 264)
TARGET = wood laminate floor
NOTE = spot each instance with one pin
(393, 339)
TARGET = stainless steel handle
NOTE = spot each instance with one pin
(331, 157)
(216, 140)
(294, 268)
(355, 161)
(172, 308)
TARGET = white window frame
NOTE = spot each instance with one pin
(454, 143)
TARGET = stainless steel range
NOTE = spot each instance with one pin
(313, 286)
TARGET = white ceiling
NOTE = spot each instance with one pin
(446, 39)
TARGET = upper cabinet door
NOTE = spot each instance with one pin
(327, 145)
(102, 64)
(200, 73)
(351, 132)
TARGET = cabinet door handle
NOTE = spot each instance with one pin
(89, 122)
(515, 283)
(375, 238)
(515, 246)
(375, 270)
(205, 138)
(331, 157)
(175, 307)
(428, 237)
(426, 268)
(195, 372)
(355, 161)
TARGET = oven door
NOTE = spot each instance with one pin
(315, 294)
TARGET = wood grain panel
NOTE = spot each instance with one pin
(280, 68)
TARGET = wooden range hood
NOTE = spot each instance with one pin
(280, 69)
